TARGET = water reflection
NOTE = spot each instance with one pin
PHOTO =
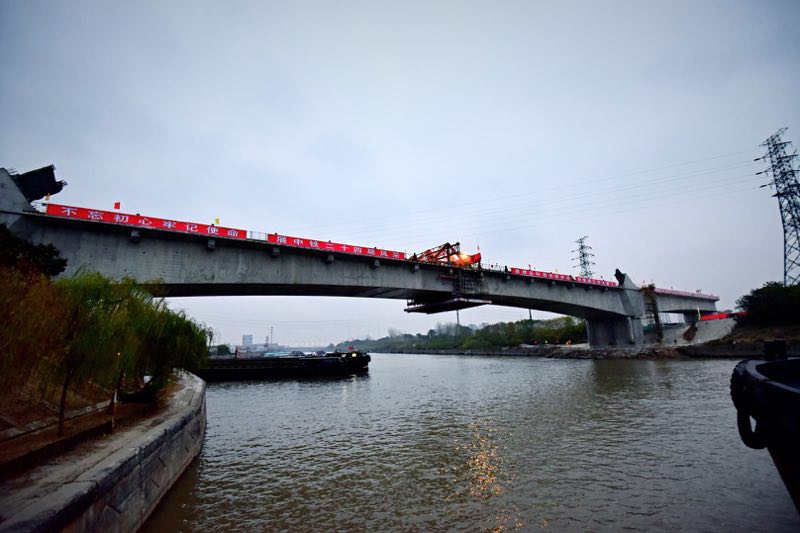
(484, 462)
(484, 474)
(426, 443)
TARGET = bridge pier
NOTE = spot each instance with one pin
(690, 318)
(620, 330)
(623, 331)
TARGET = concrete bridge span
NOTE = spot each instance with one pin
(180, 264)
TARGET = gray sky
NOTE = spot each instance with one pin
(519, 126)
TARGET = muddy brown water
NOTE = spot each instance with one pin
(474, 443)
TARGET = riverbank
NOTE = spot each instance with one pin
(731, 347)
(570, 352)
(112, 481)
(699, 351)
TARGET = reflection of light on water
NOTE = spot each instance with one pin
(485, 476)
(484, 464)
(505, 522)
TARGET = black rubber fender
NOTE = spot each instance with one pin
(751, 438)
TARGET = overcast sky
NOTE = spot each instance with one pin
(516, 126)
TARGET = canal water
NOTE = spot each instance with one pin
(468, 443)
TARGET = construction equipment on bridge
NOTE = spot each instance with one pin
(468, 291)
(449, 254)
(468, 284)
(39, 183)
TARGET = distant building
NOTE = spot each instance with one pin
(247, 340)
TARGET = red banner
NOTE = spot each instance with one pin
(687, 294)
(334, 247)
(140, 221)
(602, 282)
(561, 277)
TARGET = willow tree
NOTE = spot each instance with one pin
(24, 256)
(33, 327)
(96, 337)
(169, 340)
(134, 307)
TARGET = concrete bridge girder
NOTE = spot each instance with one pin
(184, 266)
(668, 303)
(178, 264)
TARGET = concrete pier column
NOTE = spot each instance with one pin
(623, 331)
(690, 318)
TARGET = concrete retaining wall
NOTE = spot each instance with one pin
(706, 331)
(118, 492)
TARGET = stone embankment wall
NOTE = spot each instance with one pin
(539, 350)
(735, 350)
(118, 491)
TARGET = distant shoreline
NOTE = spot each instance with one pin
(711, 350)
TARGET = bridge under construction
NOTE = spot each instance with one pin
(175, 258)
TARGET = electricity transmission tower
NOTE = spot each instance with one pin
(784, 181)
(584, 258)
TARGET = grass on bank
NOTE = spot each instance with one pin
(84, 338)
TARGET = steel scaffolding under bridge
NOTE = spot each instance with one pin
(449, 304)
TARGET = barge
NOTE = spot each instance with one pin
(294, 365)
(768, 391)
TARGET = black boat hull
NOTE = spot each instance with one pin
(768, 391)
(285, 367)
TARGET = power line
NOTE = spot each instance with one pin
(587, 214)
(455, 216)
(427, 216)
(547, 210)
(594, 180)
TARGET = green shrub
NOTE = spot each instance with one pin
(774, 304)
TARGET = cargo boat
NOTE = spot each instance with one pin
(768, 391)
(296, 364)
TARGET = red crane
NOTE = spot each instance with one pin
(448, 254)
